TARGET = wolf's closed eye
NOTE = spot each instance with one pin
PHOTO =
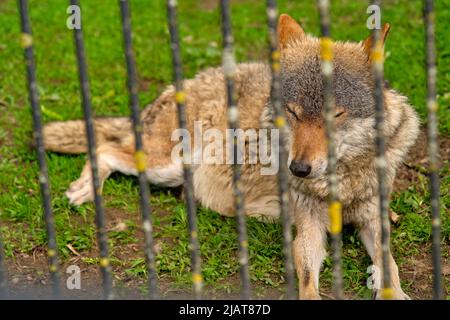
(292, 113)
(339, 113)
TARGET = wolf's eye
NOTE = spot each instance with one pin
(338, 114)
(292, 113)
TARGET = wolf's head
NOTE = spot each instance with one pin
(302, 97)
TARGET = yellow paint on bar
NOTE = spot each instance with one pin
(140, 159)
(432, 106)
(280, 122)
(244, 244)
(276, 66)
(180, 97)
(387, 293)
(335, 213)
(377, 52)
(104, 262)
(26, 40)
(194, 234)
(53, 268)
(276, 55)
(197, 278)
(326, 52)
(138, 128)
(51, 252)
(432, 17)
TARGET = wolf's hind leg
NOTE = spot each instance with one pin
(109, 159)
(160, 168)
(370, 233)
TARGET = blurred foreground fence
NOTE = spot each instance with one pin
(233, 121)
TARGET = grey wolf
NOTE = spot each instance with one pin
(303, 102)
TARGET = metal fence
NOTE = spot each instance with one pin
(335, 214)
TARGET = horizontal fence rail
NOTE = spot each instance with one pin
(180, 97)
(433, 148)
(27, 44)
(140, 155)
(105, 265)
(229, 69)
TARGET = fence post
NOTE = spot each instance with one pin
(140, 155)
(27, 44)
(90, 132)
(433, 148)
(280, 123)
(377, 58)
(334, 205)
(229, 68)
(180, 97)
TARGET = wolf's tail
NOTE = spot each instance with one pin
(70, 136)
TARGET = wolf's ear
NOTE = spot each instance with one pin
(367, 44)
(288, 30)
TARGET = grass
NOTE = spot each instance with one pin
(20, 214)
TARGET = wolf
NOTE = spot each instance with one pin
(302, 100)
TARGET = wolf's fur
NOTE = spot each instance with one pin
(302, 98)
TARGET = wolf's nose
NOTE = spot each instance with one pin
(300, 168)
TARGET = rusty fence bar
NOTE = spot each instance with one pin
(90, 132)
(180, 97)
(27, 44)
(229, 68)
(334, 205)
(280, 124)
(140, 155)
(377, 59)
(433, 148)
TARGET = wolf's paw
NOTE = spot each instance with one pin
(310, 297)
(308, 294)
(398, 295)
(80, 191)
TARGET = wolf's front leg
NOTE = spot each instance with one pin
(309, 249)
(370, 232)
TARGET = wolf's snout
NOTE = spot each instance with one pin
(300, 168)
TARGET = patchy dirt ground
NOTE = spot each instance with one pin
(29, 278)
(417, 160)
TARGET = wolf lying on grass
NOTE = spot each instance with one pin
(302, 97)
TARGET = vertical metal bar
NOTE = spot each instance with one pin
(334, 205)
(27, 44)
(280, 123)
(229, 68)
(377, 58)
(3, 276)
(90, 131)
(140, 155)
(180, 97)
(432, 106)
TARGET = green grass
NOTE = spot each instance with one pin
(20, 214)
